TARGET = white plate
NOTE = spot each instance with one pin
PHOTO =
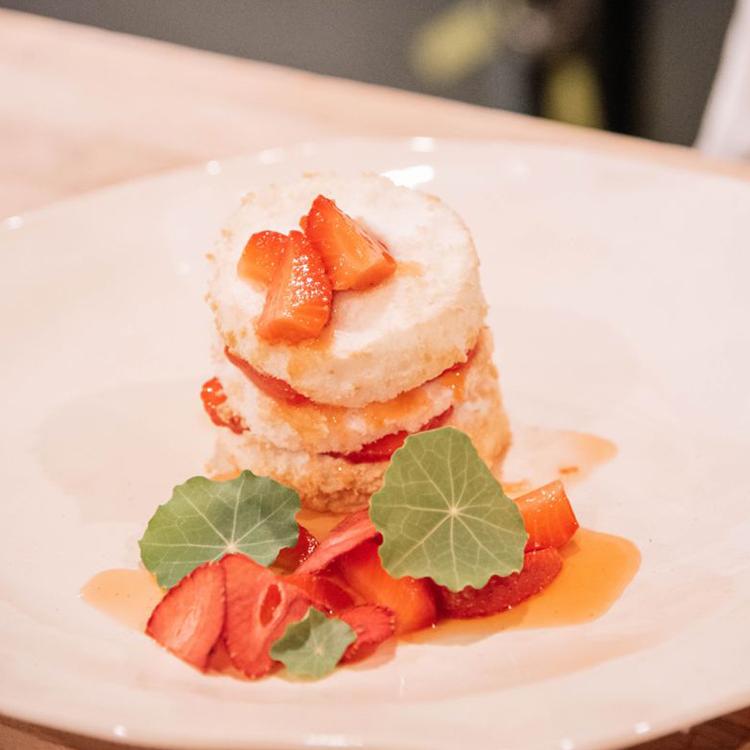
(619, 302)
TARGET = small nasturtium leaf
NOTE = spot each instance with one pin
(313, 646)
(444, 516)
(204, 520)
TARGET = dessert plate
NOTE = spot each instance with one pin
(619, 306)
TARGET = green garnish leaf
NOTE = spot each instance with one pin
(205, 520)
(444, 516)
(313, 646)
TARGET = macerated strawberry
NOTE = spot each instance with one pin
(290, 558)
(324, 592)
(261, 256)
(214, 404)
(259, 607)
(271, 386)
(412, 600)
(548, 516)
(189, 619)
(372, 625)
(298, 303)
(346, 535)
(540, 568)
(383, 448)
(353, 258)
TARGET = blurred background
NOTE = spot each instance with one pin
(641, 67)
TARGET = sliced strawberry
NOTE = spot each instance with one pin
(372, 625)
(383, 448)
(298, 303)
(189, 619)
(261, 256)
(353, 258)
(214, 404)
(348, 534)
(548, 516)
(324, 592)
(539, 570)
(412, 600)
(271, 386)
(290, 558)
(259, 607)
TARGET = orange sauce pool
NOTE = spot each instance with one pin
(597, 569)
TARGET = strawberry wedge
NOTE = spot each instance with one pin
(190, 618)
(298, 303)
(372, 625)
(290, 558)
(259, 606)
(347, 535)
(324, 592)
(353, 258)
(548, 516)
(261, 256)
(540, 568)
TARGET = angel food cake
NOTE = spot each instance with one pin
(349, 315)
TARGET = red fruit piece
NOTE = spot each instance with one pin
(189, 619)
(259, 607)
(298, 303)
(383, 448)
(353, 258)
(345, 536)
(289, 558)
(412, 600)
(214, 399)
(323, 592)
(261, 256)
(271, 386)
(548, 516)
(540, 568)
(372, 625)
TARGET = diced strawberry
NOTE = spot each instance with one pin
(261, 256)
(412, 600)
(290, 558)
(298, 303)
(324, 592)
(353, 258)
(259, 607)
(189, 619)
(540, 568)
(214, 400)
(348, 534)
(548, 516)
(372, 625)
(383, 448)
(271, 386)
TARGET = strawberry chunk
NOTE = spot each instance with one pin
(548, 516)
(261, 256)
(348, 534)
(290, 558)
(353, 258)
(383, 448)
(372, 625)
(540, 568)
(412, 600)
(271, 386)
(214, 404)
(298, 303)
(324, 592)
(259, 606)
(189, 619)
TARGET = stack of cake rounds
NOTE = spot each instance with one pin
(409, 354)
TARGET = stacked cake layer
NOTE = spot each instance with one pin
(409, 353)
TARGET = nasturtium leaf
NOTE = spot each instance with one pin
(444, 516)
(313, 646)
(204, 520)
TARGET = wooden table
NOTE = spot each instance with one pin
(83, 108)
